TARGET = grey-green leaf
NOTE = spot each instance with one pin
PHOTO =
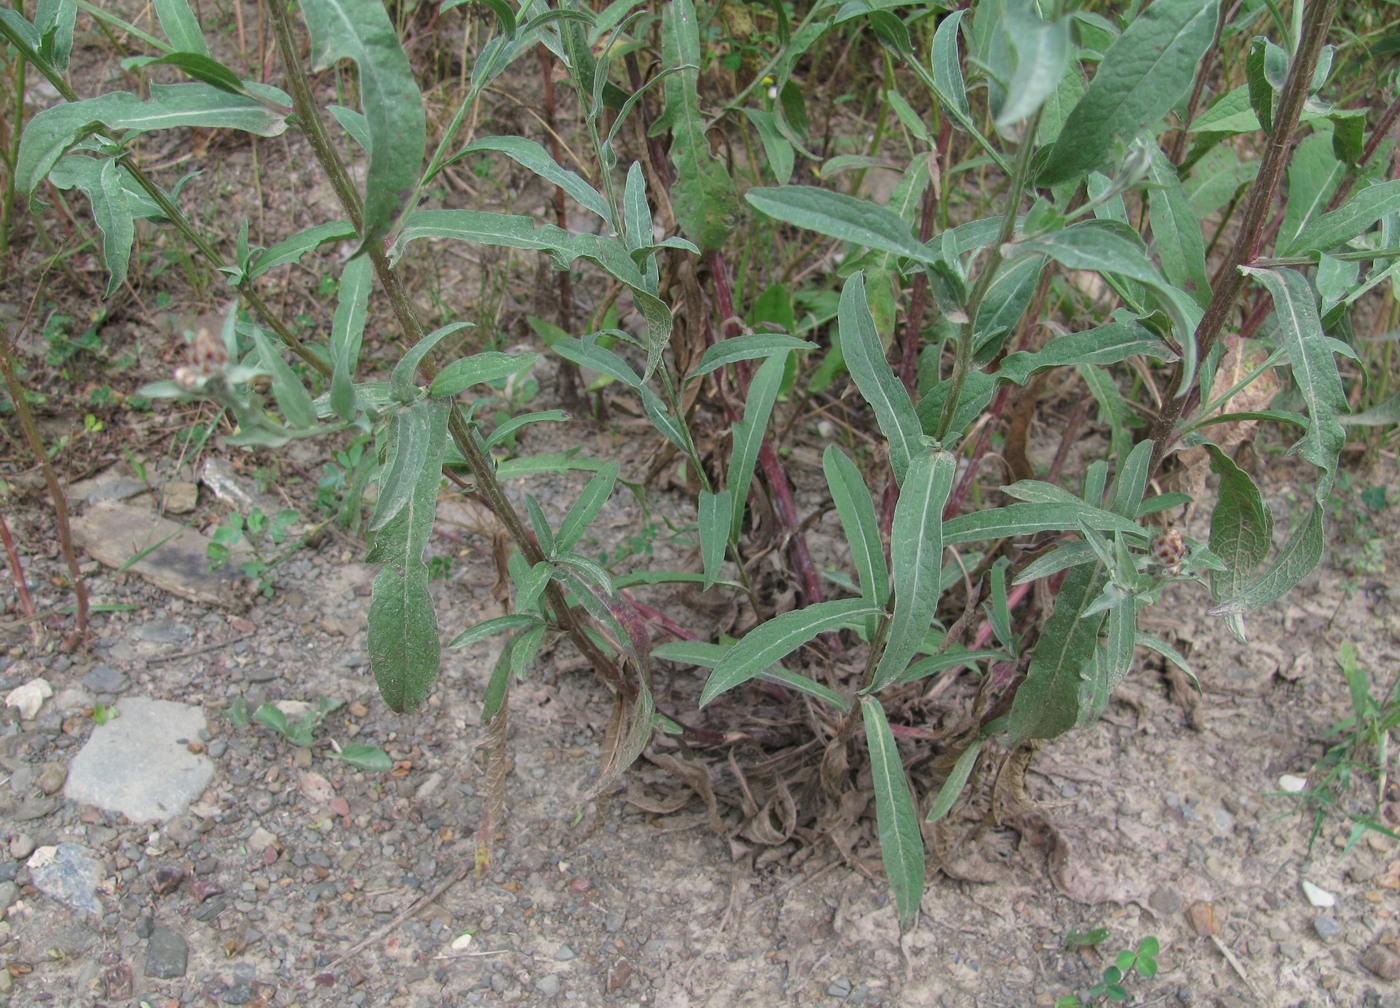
(347, 333)
(1048, 703)
(856, 511)
(838, 216)
(748, 436)
(896, 821)
(478, 369)
(1241, 527)
(404, 650)
(360, 30)
(1142, 76)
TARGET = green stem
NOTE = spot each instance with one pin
(962, 362)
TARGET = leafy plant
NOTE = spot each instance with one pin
(1111, 989)
(1064, 207)
(300, 732)
(260, 535)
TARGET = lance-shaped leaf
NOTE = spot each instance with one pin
(1105, 344)
(1349, 221)
(1241, 527)
(1048, 702)
(1030, 519)
(865, 359)
(291, 395)
(347, 333)
(529, 154)
(858, 520)
(180, 26)
(774, 640)
(837, 216)
(1112, 662)
(360, 30)
(916, 558)
(1297, 559)
(742, 348)
(52, 131)
(748, 436)
(703, 196)
(292, 249)
(478, 369)
(590, 502)
(1040, 49)
(1143, 75)
(714, 515)
(1176, 231)
(901, 840)
(103, 181)
(416, 444)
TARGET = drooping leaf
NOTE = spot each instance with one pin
(838, 216)
(533, 156)
(865, 358)
(1241, 526)
(291, 395)
(774, 640)
(1297, 559)
(916, 559)
(1352, 219)
(1142, 76)
(103, 181)
(416, 444)
(896, 821)
(361, 31)
(403, 641)
(1047, 703)
(1040, 51)
(292, 249)
(957, 780)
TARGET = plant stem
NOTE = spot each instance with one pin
(482, 470)
(1245, 249)
(60, 502)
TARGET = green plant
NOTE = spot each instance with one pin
(261, 536)
(1142, 961)
(1034, 148)
(300, 732)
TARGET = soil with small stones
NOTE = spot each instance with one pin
(298, 880)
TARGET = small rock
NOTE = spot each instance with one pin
(181, 497)
(1166, 901)
(548, 985)
(116, 982)
(167, 880)
(564, 953)
(35, 808)
(1381, 961)
(167, 955)
(9, 896)
(260, 840)
(1318, 896)
(70, 873)
(51, 778)
(21, 846)
(240, 988)
(1224, 822)
(105, 679)
(1292, 783)
(839, 988)
(28, 698)
(1327, 927)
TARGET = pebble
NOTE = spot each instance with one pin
(167, 955)
(549, 984)
(1318, 896)
(240, 988)
(9, 896)
(35, 808)
(105, 679)
(1381, 961)
(839, 988)
(1166, 901)
(1326, 927)
(70, 873)
(21, 846)
(51, 778)
(564, 953)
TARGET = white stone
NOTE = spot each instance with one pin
(1317, 896)
(29, 697)
(1288, 782)
(140, 764)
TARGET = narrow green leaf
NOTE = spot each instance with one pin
(1105, 344)
(491, 627)
(347, 333)
(478, 369)
(1142, 76)
(292, 249)
(715, 517)
(1314, 172)
(1176, 231)
(1061, 557)
(896, 821)
(360, 30)
(540, 524)
(531, 155)
(1130, 483)
(916, 558)
(957, 780)
(1314, 367)
(416, 444)
(770, 642)
(703, 195)
(856, 511)
(590, 355)
(403, 643)
(1262, 89)
(1041, 51)
(778, 674)
(180, 26)
(403, 381)
(865, 358)
(506, 428)
(838, 216)
(1112, 662)
(742, 348)
(1297, 559)
(778, 148)
(1030, 519)
(749, 434)
(1048, 702)
(1351, 220)
(595, 494)
(52, 130)
(947, 65)
(291, 395)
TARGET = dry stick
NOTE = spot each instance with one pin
(60, 502)
(382, 932)
(1246, 247)
(25, 600)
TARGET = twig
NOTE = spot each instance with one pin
(26, 601)
(382, 932)
(212, 646)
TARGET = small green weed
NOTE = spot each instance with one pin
(267, 539)
(1142, 961)
(301, 731)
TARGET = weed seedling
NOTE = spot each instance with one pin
(300, 731)
(1142, 961)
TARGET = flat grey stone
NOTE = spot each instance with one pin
(136, 764)
(173, 557)
(105, 679)
(167, 955)
(1326, 927)
(71, 875)
(35, 808)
